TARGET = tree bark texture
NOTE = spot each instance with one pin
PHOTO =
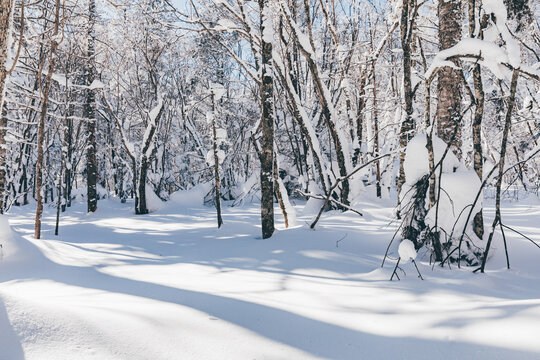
(267, 123)
(407, 124)
(478, 163)
(90, 112)
(42, 118)
(449, 84)
(216, 164)
(6, 9)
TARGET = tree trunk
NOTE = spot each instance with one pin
(267, 122)
(147, 152)
(42, 118)
(407, 123)
(281, 193)
(142, 208)
(216, 164)
(3, 164)
(478, 222)
(449, 85)
(359, 122)
(6, 9)
(90, 112)
(59, 194)
(69, 158)
(376, 149)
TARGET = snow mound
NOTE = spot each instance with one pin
(7, 246)
(313, 206)
(153, 202)
(406, 250)
(192, 197)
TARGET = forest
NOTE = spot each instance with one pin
(365, 171)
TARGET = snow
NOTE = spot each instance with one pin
(153, 202)
(210, 157)
(153, 114)
(458, 191)
(406, 250)
(289, 209)
(416, 162)
(492, 56)
(96, 84)
(487, 52)
(221, 135)
(267, 25)
(170, 285)
(498, 8)
(7, 246)
(218, 90)
(225, 25)
(191, 198)
(61, 80)
(313, 206)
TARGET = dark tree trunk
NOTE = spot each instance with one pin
(69, 159)
(267, 122)
(90, 112)
(142, 208)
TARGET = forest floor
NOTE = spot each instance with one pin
(169, 285)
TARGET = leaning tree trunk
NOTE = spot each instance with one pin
(43, 116)
(6, 8)
(449, 85)
(90, 112)
(267, 122)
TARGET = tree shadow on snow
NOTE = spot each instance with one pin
(315, 337)
(10, 343)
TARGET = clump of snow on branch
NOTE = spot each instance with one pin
(499, 57)
(406, 250)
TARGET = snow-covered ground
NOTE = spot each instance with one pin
(169, 285)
